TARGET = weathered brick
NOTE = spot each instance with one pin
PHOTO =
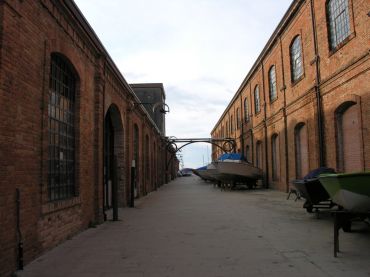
(30, 31)
(344, 75)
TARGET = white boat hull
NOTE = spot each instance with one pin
(352, 201)
(237, 171)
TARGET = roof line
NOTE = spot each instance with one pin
(289, 14)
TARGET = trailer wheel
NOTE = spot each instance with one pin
(309, 209)
(347, 226)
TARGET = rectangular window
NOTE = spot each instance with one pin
(338, 17)
(257, 105)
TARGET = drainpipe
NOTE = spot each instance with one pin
(132, 185)
(102, 69)
(252, 144)
(285, 120)
(250, 120)
(320, 112)
(19, 233)
(104, 163)
(265, 125)
(241, 125)
(42, 110)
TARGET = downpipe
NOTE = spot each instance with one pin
(19, 233)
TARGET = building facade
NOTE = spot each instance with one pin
(305, 103)
(70, 131)
(152, 97)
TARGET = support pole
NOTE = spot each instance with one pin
(132, 194)
(115, 190)
(19, 234)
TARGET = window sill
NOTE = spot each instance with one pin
(342, 44)
(273, 100)
(298, 80)
(55, 206)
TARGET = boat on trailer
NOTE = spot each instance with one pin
(207, 173)
(313, 191)
(349, 190)
(234, 170)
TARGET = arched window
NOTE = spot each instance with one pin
(237, 119)
(296, 62)
(257, 104)
(231, 124)
(338, 21)
(275, 157)
(61, 111)
(301, 150)
(348, 133)
(246, 110)
(272, 83)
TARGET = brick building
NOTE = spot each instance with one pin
(305, 102)
(70, 128)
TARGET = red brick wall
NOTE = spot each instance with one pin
(344, 76)
(30, 32)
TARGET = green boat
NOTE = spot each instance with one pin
(349, 190)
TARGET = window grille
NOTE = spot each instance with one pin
(246, 110)
(296, 59)
(338, 18)
(237, 119)
(61, 164)
(231, 125)
(257, 104)
(272, 83)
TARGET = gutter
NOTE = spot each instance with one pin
(265, 126)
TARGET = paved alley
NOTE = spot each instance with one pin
(190, 228)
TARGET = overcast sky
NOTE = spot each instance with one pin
(201, 50)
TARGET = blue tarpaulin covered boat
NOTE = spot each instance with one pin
(233, 169)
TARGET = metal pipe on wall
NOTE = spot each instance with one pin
(285, 120)
(320, 112)
(19, 233)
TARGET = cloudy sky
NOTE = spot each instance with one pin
(201, 50)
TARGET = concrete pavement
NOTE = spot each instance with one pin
(190, 228)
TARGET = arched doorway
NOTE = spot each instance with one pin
(301, 150)
(349, 138)
(113, 190)
(259, 155)
(275, 157)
